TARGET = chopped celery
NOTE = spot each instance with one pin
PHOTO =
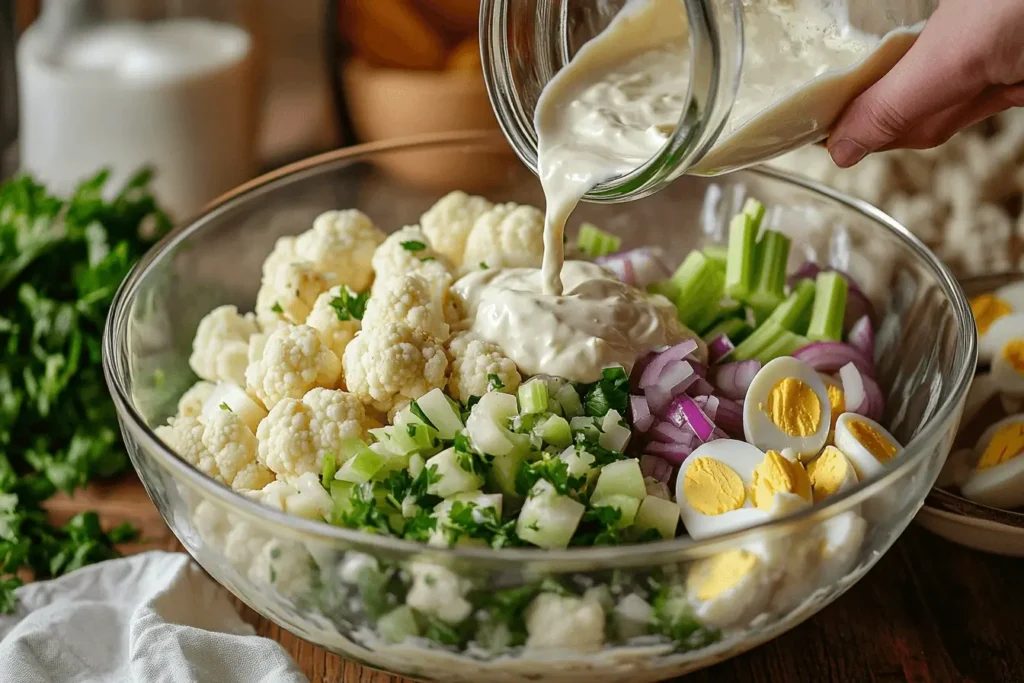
(580, 463)
(451, 477)
(416, 463)
(503, 472)
(666, 288)
(755, 210)
(408, 416)
(770, 281)
(500, 407)
(701, 284)
(533, 397)
(658, 514)
(740, 267)
(717, 253)
(736, 329)
(627, 505)
(341, 496)
(614, 436)
(351, 447)
(595, 242)
(437, 408)
(829, 307)
(795, 309)
(760, 339)
(330, 466)
(361, 467)
(414, 437)
(487, 436)
(548, 520)
(585, 426)
(570, 401)
(398, 625)
(622, 477)
(784, 344)
(555, 431)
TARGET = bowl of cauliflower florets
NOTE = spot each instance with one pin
(309, 409)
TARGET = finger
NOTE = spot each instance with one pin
(931, 78)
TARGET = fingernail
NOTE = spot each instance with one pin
(846, 152)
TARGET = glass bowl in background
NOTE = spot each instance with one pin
(346, 591)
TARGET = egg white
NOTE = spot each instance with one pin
(758, 427)
(841, 538)
(999, 333)
(1001, 486)
(956, 468)
(880, 505)
(739, 603)
(1005, 376)
(742, 458)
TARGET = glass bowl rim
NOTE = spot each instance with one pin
(680, 548)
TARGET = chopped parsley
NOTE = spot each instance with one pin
(553, 470)
(225, 406)
(414, 245)
(276, 308)
(611, 392)
(494, 383)
(483, 266)
(349, 306)
(598, 527)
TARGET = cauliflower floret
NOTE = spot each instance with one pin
(438, 592)
(234, 448)
(447, 223)
(282, 254)
(220, 348)
(257, 343)
(403, 252)
(191, 402)
(185, 436)
(287, 295)
(340, 246)
(335, 331)
(508, 235)
(385, 365)
(293, 362)
(555, 621)
(475, 364)
(413, 301)
(296, 435)
(302, 497)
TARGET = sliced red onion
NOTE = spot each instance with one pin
(638, 267)
(657, 399)
(656, 467)
(686, 411)
(719, 348)
(699, 368)
(733, 379)
(862, 337)
(642, 416)
(701, 386)
(666, 432)
(672, 453)
(808, 271)
(862, 393)
(729, 417)
(652, 372)
(828, 357)
(709, 404)
(857, 306)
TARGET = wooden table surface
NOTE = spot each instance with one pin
(929, 611)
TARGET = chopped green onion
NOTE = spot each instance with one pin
(829, 307)
(736, 329)
(760, 339)
(717, 253)
(793, 314)
(770, 282)
(533, 397)
(742, 257)
(361, 467)
(595, 242)
(329, 469)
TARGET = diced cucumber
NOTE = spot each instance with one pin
(569, 400)
(504, 469)
(533, 397)
(436, 406)
(595, 242)
(742, 257)
(406, 416)
(614, 435)
(451, 477)
(548, 520)
(621, 477)
(478, 498)
(501, 407)
(580, 463)
(626, 505)
(555, 431)
(416, 462)
(658, 514)
(770, 282)
(396, 439)
(829, 307)
(793, 313)
(398, 625)
(340, 496)
(486, 435)
(361, 466)
(585, 426)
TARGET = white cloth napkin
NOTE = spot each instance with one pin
(151, 618)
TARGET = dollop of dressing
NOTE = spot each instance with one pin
(598, 321)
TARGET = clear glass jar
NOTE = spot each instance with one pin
(123, 84)
(525, 43)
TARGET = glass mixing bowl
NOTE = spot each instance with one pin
(347, 591)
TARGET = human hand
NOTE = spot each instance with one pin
(967, 65)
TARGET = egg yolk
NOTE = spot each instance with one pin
(827, 473)
(712, 577)
(987, 309)
(1006, 444)
(871, 439)
(794, 407)
(713, 488)
(1014, 353)
(837, 401)
(778, 474)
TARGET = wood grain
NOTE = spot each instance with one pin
(929, 612)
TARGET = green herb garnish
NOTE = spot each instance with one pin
(414, 245)
(350, 306)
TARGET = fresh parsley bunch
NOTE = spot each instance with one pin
(61, 261)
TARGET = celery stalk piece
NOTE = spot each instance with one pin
(340, 492)
(548, 520)
(701, 284)
(595, 242)
(569, 399)
(330, 467)
(770, 281)
(666, 288)
(451, 478)
(554, 430)
(755, 210)
(435, 406)
(783, 345)
(626, 505)
(759, 340)
(735, 329)
(742, 257)
(829, 307)
(718, 254)
(533, 397)
(360, 468)
(790, 313)
(622, 477)
(658, 514)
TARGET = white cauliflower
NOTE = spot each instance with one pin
(438, 592)
(388, 364)
(294, 361)
(447, 223)
(336, 326)
(185, 436)
(475, 364)
(288, 293)
(282, 254)
(219, 445)
(404, 252)
(413, 301)
(283, 565)
(220, 348)
(302, 496)
(340, 245)
(508, 235)
(555, 621)
(296, 435)
(257, 343)
(191, 402)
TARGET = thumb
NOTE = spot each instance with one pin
(940, 70)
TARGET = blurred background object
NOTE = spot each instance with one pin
(8, 91)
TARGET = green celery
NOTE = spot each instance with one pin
(772, 257)
(795, 309)
(341, 497)
(718, 254)
(329, 469)
(784, 344)
(760, 339)
(666, 288)
(595, 242)
(360, 468)
(755, 210)
(829, 307)
(570, 401)
(735, 329)
(700, 281)
(742, 257)
(554, 430)
(533, 397)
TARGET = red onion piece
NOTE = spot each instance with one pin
(733, 379)
(808, 271)
(828, 357)
(684, 409)
(656, 467)
(666, 432)
(701, 386)
(719, 348)
(729, 417)
(652, 372)
(862, 337)
(638, 267)
(862, 394)
(857, 306)
(876, 399)
(709, 404)
(673, 453)
(642, 416)
(699, 368)
(657, 399)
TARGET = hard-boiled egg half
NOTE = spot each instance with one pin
(998, 478)
(836, 400)
(787, 406)
(729, 588)
(996, 315)
(869, 446)
(831, 473)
